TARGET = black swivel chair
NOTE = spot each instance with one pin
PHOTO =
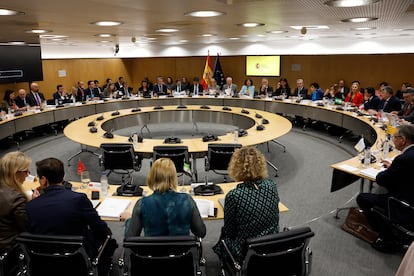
(120, 158)
(11, 262)
(401, 227)
(218, 157)
(178, 154)
(47, 255)
(286, 253)
(165, 255)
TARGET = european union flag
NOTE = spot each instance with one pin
(218, 73)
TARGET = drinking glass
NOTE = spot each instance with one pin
(85, 179)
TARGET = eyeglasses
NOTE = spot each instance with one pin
(397, 136)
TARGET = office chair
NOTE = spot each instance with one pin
(178, 154)
(402, 229)
(11, 262)
(164, 255)
(218, 158)
(285, 253)
(119, 158)
(47, 255)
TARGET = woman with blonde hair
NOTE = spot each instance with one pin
(252, 208)
(165, 212)
(14, 167)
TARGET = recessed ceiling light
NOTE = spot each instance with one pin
(350, 3)
(183, 41)
(207, 35)
(204, 13)
(52, 36)
(276, 32)
(107, 23)
(104, 35)
(251, 24)
(38, 31)
(310, 27)
(58, 39)
(363, 28)
(105, 41)
(359, 19)
(17, 42)
(261, 35)
(234, 38)
(10, 12)
(167, 30)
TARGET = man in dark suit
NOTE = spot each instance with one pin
(265, 89)
(120, 84)
(371, 100)
(300, 91)
(159, 89)
(397, 179)
(80, 94)
(407, 107)
(21, 99)
(196, 88)
(388, 101)
(91, 91)
(35, 97)
(60, 211)
(342, 89)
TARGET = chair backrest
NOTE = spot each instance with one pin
(285, 252)
(400, 214)
(167, 255)
(120, 156)
(55, 255)
(219, 155)
(178, 154)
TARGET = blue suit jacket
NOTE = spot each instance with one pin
(156, 89)
(59, 211)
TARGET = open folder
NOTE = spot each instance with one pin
(112, 207)
(205, 207)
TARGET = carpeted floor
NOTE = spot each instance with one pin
(303, 181)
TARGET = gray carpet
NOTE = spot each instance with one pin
(303, 184)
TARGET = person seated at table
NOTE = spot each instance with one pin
(144, 89)
(14, 167)
(8, 101)
(229, 88)
(170, 84)
(165, 212)
(265, 89)
(300, 91)
(213, 88)
(159, 89)
(21, 100)
(252, 208)
(179, 87)
(397, 179)
(389, 102)
(407, 107)
(283, 89)
(355, 97)
(331, 92)
(247, 89)
(196, 88)
(60, 211)
(61, 96)
(110, 91)
(371, 101)
(315, 91)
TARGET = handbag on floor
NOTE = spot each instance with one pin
(357, 224)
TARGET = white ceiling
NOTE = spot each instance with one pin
(394, 29)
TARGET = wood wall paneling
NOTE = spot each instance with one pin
(370, 70)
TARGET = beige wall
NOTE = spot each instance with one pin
(370, 70)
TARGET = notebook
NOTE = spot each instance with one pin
(205, 207)
(112, 207)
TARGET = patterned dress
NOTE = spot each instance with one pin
(250, 210)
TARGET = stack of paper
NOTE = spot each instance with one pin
(205, 207)
(370, 172)
(112, 207)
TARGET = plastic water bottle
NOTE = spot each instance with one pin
(104, 184)
(385, 148)
(367, 157)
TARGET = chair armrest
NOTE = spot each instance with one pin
(206, 164)
(236, 265)
(101, 250)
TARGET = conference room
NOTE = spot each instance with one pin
(309, 40)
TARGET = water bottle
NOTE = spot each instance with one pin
(367, 157)
(385, 148)
(236, 136)
(104, 184)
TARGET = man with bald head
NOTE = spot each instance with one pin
(35, 97)
(21, 99)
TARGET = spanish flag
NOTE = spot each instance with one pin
(208, 73)
(81, 167)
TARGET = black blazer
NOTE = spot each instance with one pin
(372, 103)
(398, 177)
(393, 104)
(268, 90)
(200, 88)
(60, 211)
(303, 93)
(30, 98)
(156, 90)
(20, 102)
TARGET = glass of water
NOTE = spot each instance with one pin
(85, 179)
